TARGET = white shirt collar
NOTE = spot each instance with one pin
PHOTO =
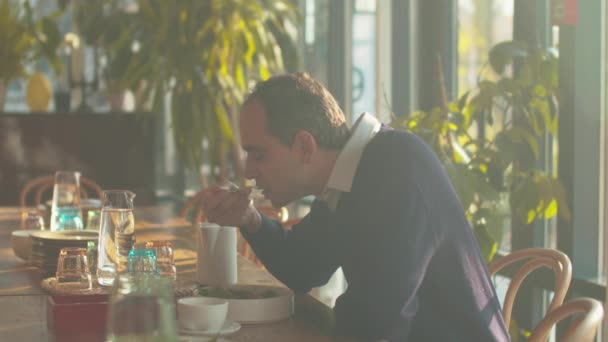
(343, 173)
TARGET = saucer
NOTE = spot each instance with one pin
(188, 338)
(228, 328)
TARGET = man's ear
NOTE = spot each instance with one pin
(305, 145)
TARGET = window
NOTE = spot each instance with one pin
(363, 57)
(314, 45)
(481, 24)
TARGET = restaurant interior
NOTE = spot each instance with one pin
(136, 104)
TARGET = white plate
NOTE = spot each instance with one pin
(66, 235)
(90, 203)
(261, 310)
(229, 327)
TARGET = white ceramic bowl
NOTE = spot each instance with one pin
(21, 243)
(200, 313)
(257, 310)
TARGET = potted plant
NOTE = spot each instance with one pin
(201, 54)
(488, 141)
(23, 40)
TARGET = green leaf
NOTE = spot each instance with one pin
(560, 197)
(524, 200)
(551, 209)
(462, 101)
(503, 53)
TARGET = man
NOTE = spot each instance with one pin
(384, 211)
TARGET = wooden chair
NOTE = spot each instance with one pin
(584, 327)
(539, 257)
(193, 203)
(43, 184)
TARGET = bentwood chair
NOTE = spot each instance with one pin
(39, 186)
(193, 203)
(589, 314)
(536, 258)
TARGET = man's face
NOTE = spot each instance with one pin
(275, 167)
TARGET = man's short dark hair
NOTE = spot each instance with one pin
(297, 101)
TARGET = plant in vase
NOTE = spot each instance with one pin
(25, 39)
(488, 141)
(15, 45)
(201, 54)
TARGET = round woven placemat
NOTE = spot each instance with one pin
(55, 288)
(183, 287)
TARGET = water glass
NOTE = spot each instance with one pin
(65, 208)
(142, 308)
(164, 257)
(73, 268)
(142, 261)
(32, 220)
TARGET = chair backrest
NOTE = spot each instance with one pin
(194, 201)
(538, 257)
(584, 327)
(42, 184)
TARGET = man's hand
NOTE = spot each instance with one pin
(231, 208)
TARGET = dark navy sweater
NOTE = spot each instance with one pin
(413, 267)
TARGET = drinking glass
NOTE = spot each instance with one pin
(142, 261)
(73, 268)
(164, 257)
(65, 208)
(32, 220)
(142, 308)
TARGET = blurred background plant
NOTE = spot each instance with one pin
(25, 40)
(488, 141)
(194, 58)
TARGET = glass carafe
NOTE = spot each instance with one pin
(116, 234)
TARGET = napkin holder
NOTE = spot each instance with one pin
(81, 314)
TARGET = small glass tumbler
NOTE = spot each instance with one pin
(164, 257)
(65, 210)
(73, 268)
(32, 220)
(142, 261)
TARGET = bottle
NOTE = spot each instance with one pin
(142, 309)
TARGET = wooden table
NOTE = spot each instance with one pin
(23, 302)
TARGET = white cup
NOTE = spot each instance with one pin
(202, 314)
(216, 255)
